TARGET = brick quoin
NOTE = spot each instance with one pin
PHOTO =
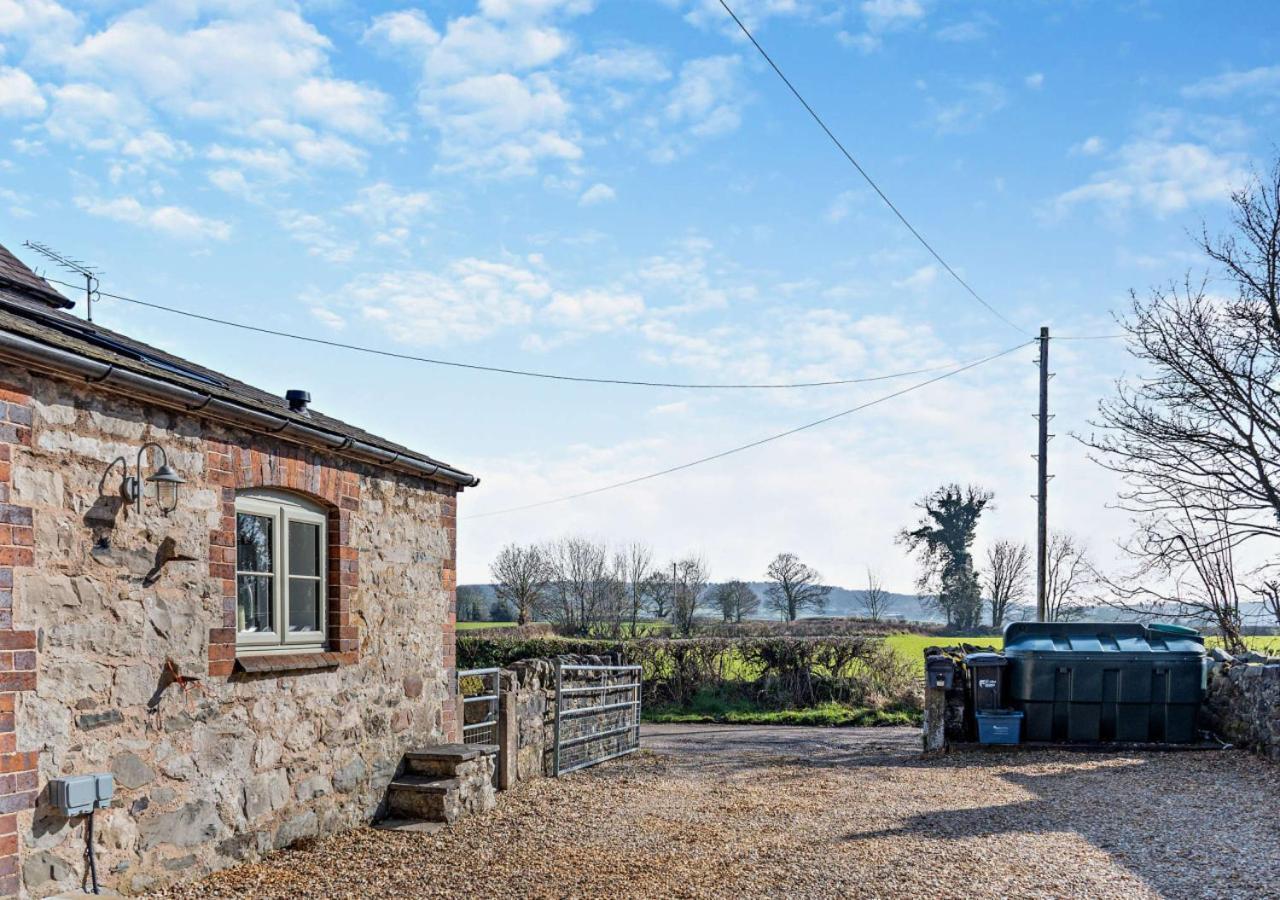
(18, 776)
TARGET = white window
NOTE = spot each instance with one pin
(280, 572)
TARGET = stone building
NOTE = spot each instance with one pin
(249, 652)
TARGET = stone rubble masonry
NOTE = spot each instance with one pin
(531, 685)
(218, 765)
(1243, 706)
(18, 768)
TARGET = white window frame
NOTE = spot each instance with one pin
(283, 508)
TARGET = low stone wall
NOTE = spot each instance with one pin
(1243, 704)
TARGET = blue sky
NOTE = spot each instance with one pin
(617, 188)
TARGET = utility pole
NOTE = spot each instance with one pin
(1042, 485)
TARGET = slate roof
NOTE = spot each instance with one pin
(13, 274)
(30, 307)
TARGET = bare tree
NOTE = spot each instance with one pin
(583, 589)
(875, 599)
(689, 583)
(736, 600)
(1068, 576)
(1268, 593)
(1186, 567)
(1007, 575)
(794, 587)
(1199, 434)
(520, 579)
(637, 566)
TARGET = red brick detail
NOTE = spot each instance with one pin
(18, 769)
(448, 636)
(237, 467)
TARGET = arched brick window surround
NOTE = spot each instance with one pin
(234, 468)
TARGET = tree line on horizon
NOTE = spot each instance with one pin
(583, 586)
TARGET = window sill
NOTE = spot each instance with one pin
(276, 663)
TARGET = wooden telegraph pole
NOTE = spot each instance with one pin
(1042, 485)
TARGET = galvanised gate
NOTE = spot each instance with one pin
(597, 714)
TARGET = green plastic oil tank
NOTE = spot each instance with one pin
(1105, 681)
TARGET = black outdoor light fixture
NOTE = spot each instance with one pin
(164, 478)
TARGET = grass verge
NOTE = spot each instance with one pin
(709, 708)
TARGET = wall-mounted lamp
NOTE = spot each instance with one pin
(164, 478)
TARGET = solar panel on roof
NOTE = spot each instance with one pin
(116, 346)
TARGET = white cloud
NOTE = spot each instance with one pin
(638, 64)
(501, 125)
(407, 30)
(841, 205)
(534, 9)
(1261, 80)
(317, 234)
(475, 46)
(20, 97)
(974, 29)
(1090, 146)
(343, 106)
(155, 146)
(390, 211)
(922, 278)
(329, 318)
(1159, 176)
(705, 98)
(271, 162)
(173, 221)
(93, 117)
(710, 14)
(597, 193)
(256, 71)
(706, 101)
(469, 300)
(882, 17)
(977, 101)
(1035, 81)
(594, 310)
(678, 408)
(331, 152)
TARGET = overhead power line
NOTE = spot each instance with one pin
(757, 443)
(866, 177)
(526, 373)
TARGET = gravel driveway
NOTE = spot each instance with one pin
(709, 811)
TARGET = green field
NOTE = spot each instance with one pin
(476, 626)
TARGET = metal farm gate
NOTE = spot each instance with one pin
(597, 715)
(479, 711)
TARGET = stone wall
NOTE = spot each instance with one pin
(134, 670)
(1243, 705)
(532, 684)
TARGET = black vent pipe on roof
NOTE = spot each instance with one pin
(298, 400)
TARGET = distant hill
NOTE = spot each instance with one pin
(848, 602)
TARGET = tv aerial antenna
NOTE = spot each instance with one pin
(75, 266)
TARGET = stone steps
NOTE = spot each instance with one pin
(441, 784)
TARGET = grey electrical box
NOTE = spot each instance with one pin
(79, 795)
